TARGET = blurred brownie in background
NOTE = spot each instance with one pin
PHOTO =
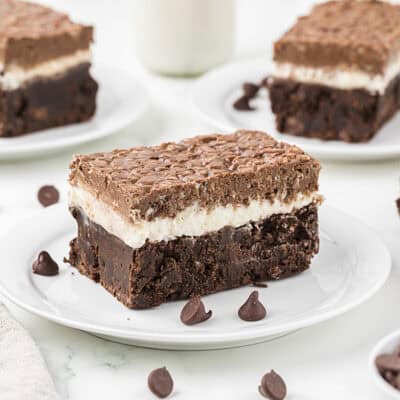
(337, 71)
(44, 61)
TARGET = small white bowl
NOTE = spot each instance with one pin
(386, 345)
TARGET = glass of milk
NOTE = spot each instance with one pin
(183, 37)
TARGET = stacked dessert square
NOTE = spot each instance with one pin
(337, 71)
(44, 64)
(192, 218)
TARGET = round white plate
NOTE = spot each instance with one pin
(120, 101)
(352, 265)
(215, 92)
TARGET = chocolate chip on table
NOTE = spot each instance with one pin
(160, 382)
(48, 195)
(45, 265)
(273, 386)
(243, 104)
(250, 90)
(398, 205)
(252, 309)
(194, 312)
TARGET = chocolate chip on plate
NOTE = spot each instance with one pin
(250, 90)
(252, 309)
(160, 382)
(194, 312)
(272, 386)
(243, 104)
(398, 205)
(48, 195)
(45, 265)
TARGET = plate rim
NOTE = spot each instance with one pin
(173, 339)
(352, 151)
(88, 135)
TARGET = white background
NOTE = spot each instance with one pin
(328, 361)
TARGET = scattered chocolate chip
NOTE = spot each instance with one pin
(160, 382)
(250, 90)
(272, 386)
(243, 104)
(45, 265)
(398, 205)
(260, 284)
(388, 366)
(252, 309)
(388, 362)
(48, 195)
(194, 312)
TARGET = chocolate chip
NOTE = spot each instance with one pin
(194, 312)
(160, 382)
(242, 104)
(252, 309)
(45, 265)
(48, 195)
(388, 362)
(398, 205)
(272, 386)
(250, 90)
(389, 376)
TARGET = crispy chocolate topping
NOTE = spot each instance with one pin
(148, 182)
(31, 33)
(353, 34)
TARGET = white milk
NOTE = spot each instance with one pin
(183, 37)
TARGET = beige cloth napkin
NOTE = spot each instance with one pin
(23, 372)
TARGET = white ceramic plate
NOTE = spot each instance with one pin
(352, 265)
(215, 92)
(121, 100)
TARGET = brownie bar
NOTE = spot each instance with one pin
(328, 113)
(277, 247)
(196, 217)
(46, 103)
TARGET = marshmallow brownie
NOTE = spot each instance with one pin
(192, 218)
(44, 69)
(337, 71)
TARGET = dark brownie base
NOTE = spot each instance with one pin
(326, 113)
(47, 103)
(278, 247)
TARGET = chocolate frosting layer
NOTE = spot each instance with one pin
(31, 34)
(160, 181)
(361, 35)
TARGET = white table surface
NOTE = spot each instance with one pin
(328, 361)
